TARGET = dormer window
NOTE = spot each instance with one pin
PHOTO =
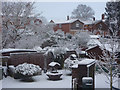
(77, 25)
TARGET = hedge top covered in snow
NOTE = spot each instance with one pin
(16, 50)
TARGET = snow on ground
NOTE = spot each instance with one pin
(101, 81)
(42, 81)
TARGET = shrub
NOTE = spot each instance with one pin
(27, 69)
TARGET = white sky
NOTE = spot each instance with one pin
(59, 10)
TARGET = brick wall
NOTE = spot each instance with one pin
(64, 27)
(81, 72)
(32, 58)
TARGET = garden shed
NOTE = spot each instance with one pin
(84, 68)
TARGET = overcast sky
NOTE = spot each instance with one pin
(59, 10)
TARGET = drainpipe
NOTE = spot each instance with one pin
(45, 64)
(87, 71)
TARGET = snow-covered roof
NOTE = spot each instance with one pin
(94, 36)
(14, 50)
(94, 42)
(67, 21)
(52, 64)
(87, 22)
(91, 47)
(86, 61)
(87, 78)
(96, 21)
(73, 55)
(73, 20)
(90, 22)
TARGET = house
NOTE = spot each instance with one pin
(98, 27)
(69, 26)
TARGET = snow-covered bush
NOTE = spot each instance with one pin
(70, 61)
(81, 39)
(59, 50)
(37, 48)
(48, 42)
(28, 69)
(56, 50)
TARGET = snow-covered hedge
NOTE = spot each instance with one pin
(28, 69)
(68, 63)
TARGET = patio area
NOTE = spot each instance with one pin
(42, 81)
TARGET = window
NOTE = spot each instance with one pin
(100, 27)
(77, 25)
(60, 26)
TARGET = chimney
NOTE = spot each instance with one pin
(40, 21)
(68, 18)
(93, 18)
(103, 16)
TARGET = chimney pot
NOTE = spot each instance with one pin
(68, 18)
(93, 18)
(103, 16)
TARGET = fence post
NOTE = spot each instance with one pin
(45, 64)
(74, 84)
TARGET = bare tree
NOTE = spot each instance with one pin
(83, 12)
(16, 17)
(108, 62)
(35, 37)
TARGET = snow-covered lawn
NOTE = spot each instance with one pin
(42, 81)
(101, 81)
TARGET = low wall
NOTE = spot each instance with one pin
(37, 58)
(32, 58)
